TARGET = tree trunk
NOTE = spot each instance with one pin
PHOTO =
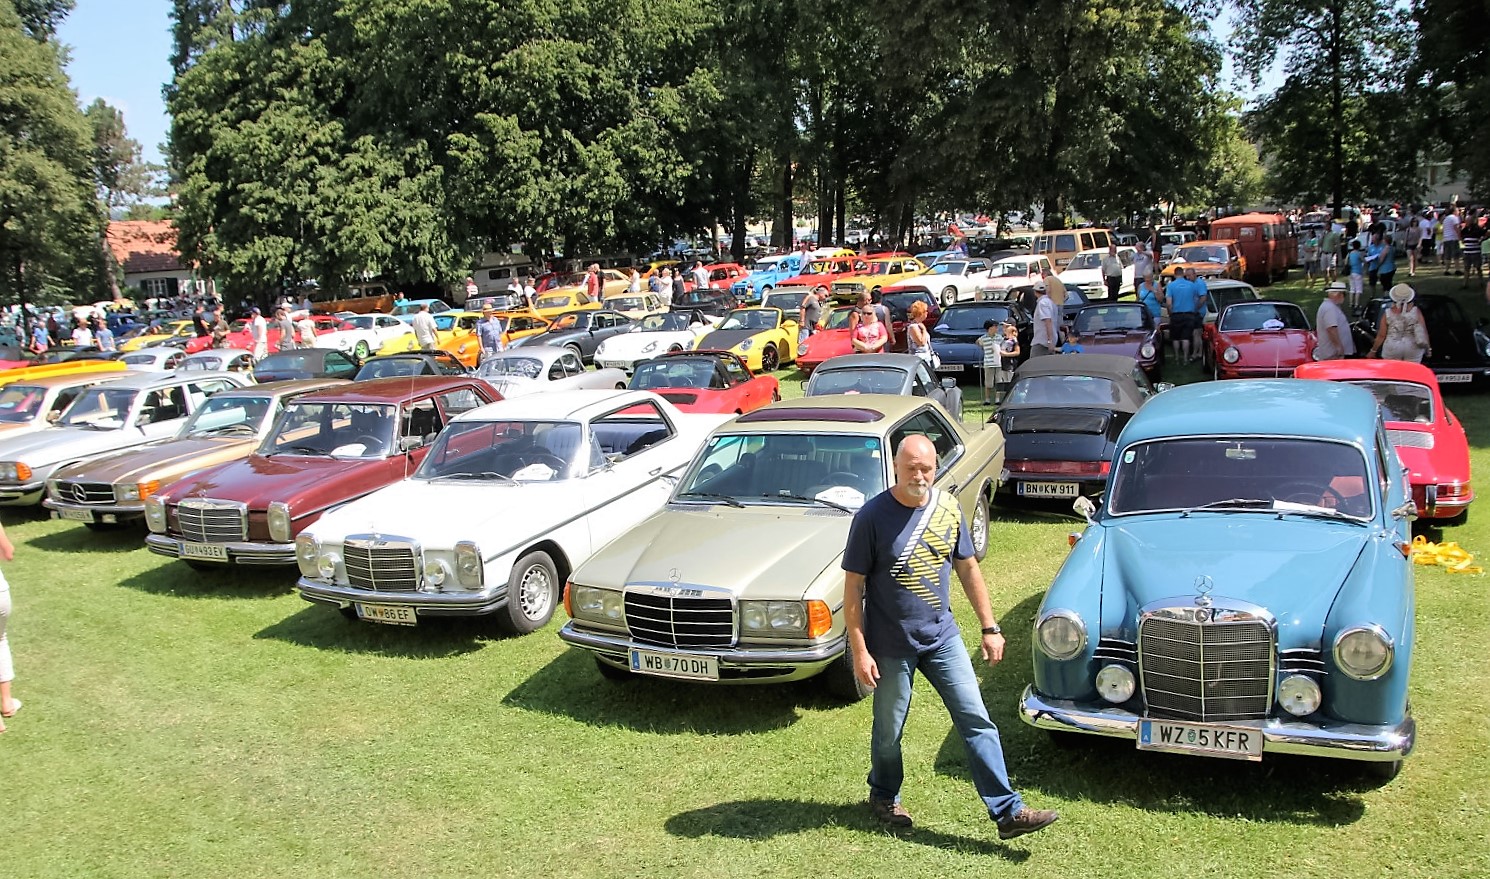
(111, 269)
(1337, 101)
(785, 230)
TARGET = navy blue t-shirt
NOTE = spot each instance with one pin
(905, 554)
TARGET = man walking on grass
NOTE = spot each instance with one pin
(902, 546)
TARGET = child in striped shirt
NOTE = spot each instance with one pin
(992, 344)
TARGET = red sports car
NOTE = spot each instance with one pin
(830, 341)
(706, 381)
(1429, 438)
(239, 335)
(1265, 339)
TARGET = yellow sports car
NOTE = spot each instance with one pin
(462, 342)
(883, 271)
(448, 325)
(764, 338)
(170, 329)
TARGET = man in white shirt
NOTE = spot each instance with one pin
(665, 288)
(1047, 318)
(1451, 241)
(258, 330)
(306, 329)
(700, 274)
(1333, 325)
(424, 328)
(82, 337)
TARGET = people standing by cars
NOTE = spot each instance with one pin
(306, 330)
(901, 550)
(82, 337)
(1451, 237)
(1047, 321)
(665, 286)
(1356, 263)
(633, 281)
(867, 302)
(199, 322)
(1112, 270)
(1471, 245)
(1386, 263)
(810, 314)
(472, 291)
(992, 343)
(1403, 334)
(1329, 252)
(700, 275)
(40, 341)
(594, 284)
(1143, 261)
(423, 324)
(9, 704)
(1009, 356)
(869, 335)
(489, 332)
(103, 337)
(1150, 297)
(917, 339)
(286, 329)
(1412, 239)
(1186, 296)
(1312, 247)
(1333, 326)
(258, 331)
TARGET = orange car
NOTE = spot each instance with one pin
(1210, 259)
(461, 339)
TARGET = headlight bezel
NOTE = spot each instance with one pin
(279, 520)
(596, 604)
(470, 567)
(437, 573)
(307, 554)
(1388, 647)
(1147, 350)
(1299, 695)
(328, 562)
(1062, 616)
(779, 618)
(1231, 354)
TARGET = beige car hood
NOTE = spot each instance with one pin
(756, 552)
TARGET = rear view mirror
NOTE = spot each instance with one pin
(949, 383)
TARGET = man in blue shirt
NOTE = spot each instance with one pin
(898, 616)
(489, 332)
(1186, 298)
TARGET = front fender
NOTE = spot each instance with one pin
(1077, 588)
(1378, 591)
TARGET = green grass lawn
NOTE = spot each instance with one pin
(180, 724)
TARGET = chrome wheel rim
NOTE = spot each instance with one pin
(980, 527)
(535, 592)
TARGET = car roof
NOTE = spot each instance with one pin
(1112, 366)
(545, 353)
(1270, 407)
(71, 379)
(905, 362)
(394, 389)
(869, 414)
(284, 388)
(566, 405)
(1384, 369)
(229, 352)
(162, 379)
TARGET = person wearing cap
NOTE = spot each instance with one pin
(1047, 321)
(489, 333)
(1403, 334)
(258, 331)
(1335, 341)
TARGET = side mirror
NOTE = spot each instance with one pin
(1086, 508)
(410, 443)
(1161, 387)
(949, 383)
(54, 416)
(1408, 511)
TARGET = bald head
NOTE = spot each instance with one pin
(915, 470)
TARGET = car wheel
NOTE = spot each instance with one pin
(577, 352)
(1462, 518)
(765, 291)
(979, 527)
(841, 683)
(769, 360)
(361, 350)
(949, 296)
(532, 593)
(776, 398)
(611, 673)
(1384, 771)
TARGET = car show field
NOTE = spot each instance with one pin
(185, 722)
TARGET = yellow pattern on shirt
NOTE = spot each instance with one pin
(920, 564)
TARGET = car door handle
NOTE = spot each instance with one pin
(654, 471)
(952, 489)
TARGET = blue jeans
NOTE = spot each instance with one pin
(950, 671)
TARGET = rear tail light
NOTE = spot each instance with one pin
(1062, 468)
(1452, 491)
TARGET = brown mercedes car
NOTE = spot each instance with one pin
(110, 490)
(328, 448)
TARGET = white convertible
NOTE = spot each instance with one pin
(657, 335)
(517, 372)
(364, 334)
(511, 498)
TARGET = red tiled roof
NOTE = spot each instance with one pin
(144, 246)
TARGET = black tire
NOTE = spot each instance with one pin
(839, 681)
(577, 353)
(980, 511)
(611, 673)
(949, 296)
(102, 526)
(533, 593)
(1383, 772)
(776, 398)
(1461, 519)
(361, 350)
(770, 362)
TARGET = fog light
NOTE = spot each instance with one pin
(326, 565)
(1298, 695)
(1115, 683)
(436, 573)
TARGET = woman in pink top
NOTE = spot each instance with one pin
(869, 337)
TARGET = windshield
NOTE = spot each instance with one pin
(1009, 270)
(1202, 253)
(207, 363)
(133, 359)
(525, 367)
(409, 308)
(750, 320)
(786, 468)
(444, 321)
(286, 363)
(899, 303)
(1249, 316)
(858, 380)
(228, 414)
(838, 320)
(343, 430)
(1087, 260)
(664, 323)
(1273, 474)
(1227, 295)
(1400, 401)
(568, 322)
(561, 301)
(501, 451)
(786, 301)
(1107, 318)
(676, 372)
(20, 403)
(972, 319)
(104, 408)
(1064, 390)
(626, 303)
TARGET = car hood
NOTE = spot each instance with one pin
(759, 551)
(1266, 348)
(167, 459)
(1126, 345)
(633, 343)
(723, 340)
(46, 447)
(307, 484)
(439, 514)
(1079, 277)
(1292, 567)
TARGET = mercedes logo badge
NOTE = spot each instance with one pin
(674, 575)
(79, 493)
(1203, 587)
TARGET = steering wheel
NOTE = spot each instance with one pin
(1301, 492)
(553, 462)
(845, 477)
(507, 464)
(369, 442)
(709, 472)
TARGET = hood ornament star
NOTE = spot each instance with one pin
(1203, 587)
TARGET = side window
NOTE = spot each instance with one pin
(175, 360)
(928, 424)
(339, 365)
(164, 404)
(556, 370)
(1100, 239)
(455, 402)
(64, 399)
(734, 370)
(1065, 243)
(422, 420)
(203, 389)
(922, 383)
(625, 432)
(976, 266)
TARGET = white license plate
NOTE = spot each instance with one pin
(950, 367)
(388, 614)
(214, 551)
(1455, 377)
(1047, 489)
(1195, 738)
(697, 668)
(76, 515)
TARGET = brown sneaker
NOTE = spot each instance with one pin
(890, 813)
(1026, 821)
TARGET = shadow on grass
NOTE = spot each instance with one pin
(1314, 792)
(82, 539)
(175, 579)
(764, 819)
(571, 686)
(323, 628)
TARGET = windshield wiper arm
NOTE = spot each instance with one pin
(1285, 507)
(722, 498)
(812, 500)
(284, 450)
(485, 474)
(1236, 503)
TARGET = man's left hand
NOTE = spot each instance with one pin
(993, 648)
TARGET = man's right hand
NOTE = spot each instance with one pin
(866, 670)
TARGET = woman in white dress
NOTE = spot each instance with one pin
(1403, 334)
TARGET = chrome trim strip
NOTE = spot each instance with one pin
(238, 553)
(736, 657)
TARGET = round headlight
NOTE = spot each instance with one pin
(747, 345)
(1364, 652)
(1231, 355)
(1115, 683)
(1060, 634)
(802, 350)
(1146, 351)
(753, 616)
(326, 565)
(436, 572)
(1298, 695)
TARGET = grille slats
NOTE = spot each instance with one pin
(1410, 439)
(86, 492)
(680, 622)
(205, 521)
(1206, 671)
(382, 566)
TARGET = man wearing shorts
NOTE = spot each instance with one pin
(1185, 296)
(1329, 252)
(1472, 238)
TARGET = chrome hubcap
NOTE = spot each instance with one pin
(535, 592)
(980, 528)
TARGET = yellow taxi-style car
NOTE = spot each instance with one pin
(66, 367)
(553, 303)
(171, 329)
(764, 338)
(883, 271)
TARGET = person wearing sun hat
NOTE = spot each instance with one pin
(1403, 334)
(1333, 325)
(1047, 322)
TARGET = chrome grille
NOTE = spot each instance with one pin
(1410, 439)
(209, 521)
(85, 492)
(381, 564)
(671, 621)
(1205, 670)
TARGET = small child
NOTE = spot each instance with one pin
(992, 356)
(1009, 352)
(1073, 342)
(1356, 259)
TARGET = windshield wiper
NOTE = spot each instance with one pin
(722, 498)
(1286, 507)
(1236, 503)
(285, 450)
(226, 428)
(812, 500)
(485, 474)
(1114, 331)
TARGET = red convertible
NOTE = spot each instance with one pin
(706, 381)
(328, 448)
(1429, 438)
(1264, 339)
(828, 342)
(239, 335)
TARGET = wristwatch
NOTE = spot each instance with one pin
(993, 630)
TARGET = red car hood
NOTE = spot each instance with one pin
(306, 484)
(825, 344)
(1266, 348)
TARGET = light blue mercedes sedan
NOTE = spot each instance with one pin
(1245, 588)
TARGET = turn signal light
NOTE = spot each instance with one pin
(23, 472)
(819, 619)
(148, 488)
(569, 598)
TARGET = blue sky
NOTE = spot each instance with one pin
(121, 52)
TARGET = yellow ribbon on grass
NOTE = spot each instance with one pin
(1449, 556)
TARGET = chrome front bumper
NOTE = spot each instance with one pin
(22, 495)
(120, 512)
(1349, 741)
(424, 603)
(238, 553)
(749, 664)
